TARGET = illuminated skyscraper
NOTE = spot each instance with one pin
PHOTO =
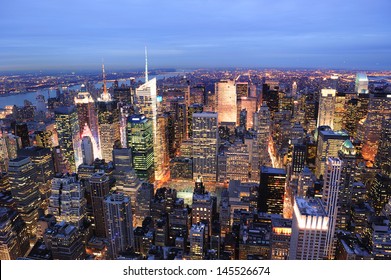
(69, 136)
(119, 223)
(238, 162)
(140, 140)
(109, 127)
(67, 202)
(326, 107)
(25, 191)
(197, 241)
(205, 146)
(99, 186)
(262, 127)
(361, 85)
(271, 190)
(330, 199)
(87, 150)
(226, 101)
(87, 115)
(383, 156)
(310, 225)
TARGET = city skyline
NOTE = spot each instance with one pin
(58, 36)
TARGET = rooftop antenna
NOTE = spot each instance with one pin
(104, 95)
(146, 65)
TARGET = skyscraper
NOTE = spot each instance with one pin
(326, 107)
(109, 127)
(205, 146)
(119, 223)
(197, 241)
(67, 202)
(330, 199)
(99, 185)
(87, 150)
(361, 85)
(69, 136)
(310, 225)
(140, 140)
(87, 115)
(226, 101)
(271, 190)
(25, 191)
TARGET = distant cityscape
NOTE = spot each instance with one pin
(201, 164)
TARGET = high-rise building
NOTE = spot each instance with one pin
(329, 143)
(361, 85)
(326, 107)
(310, 225)
(22, 131)
(143, 203)
(226, 101)
(383, 156)
(271, 190)
(68, 131)
(87, 116)
(99, 187)
(197, 241)
(306, 181)
(330, 199)
(119, 223)
(238, 162)
(87, 150)
(67, 202)
(14, 239)
(281, 238)
(109, 127)
(262, 122)
(25, 191)
(205, 145)
(64, 241)
(203, 207)
(140, 140)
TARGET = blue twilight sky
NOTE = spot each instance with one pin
(77, 34)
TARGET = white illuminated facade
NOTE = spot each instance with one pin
(326, 107)
(361, 85)
(310, 225)
(226, 101)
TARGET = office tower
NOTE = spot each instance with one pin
(119, 223)
(198, 95)
(181, 168)
(339, 110)
(65, 242)
(238, 162)
(306, 182)
(9, 145)
(378, 109)
(224, 214)
(294, 89)
(361, 85)
(161, 149)
(179, 224)
(140, 140)
(194, 108)
(67, 202)
(197, 241)
(205, 146)
(22, 131)
(270, 95)
(299, 156)
(380, 192)
(262, 127)
(330, 199)
(44, 169)
(311, 110)
(203, 207)
(242, 89)
(69, 136)
(348, 156)
(329, 143)
(249, 105)
(143, 203)
(351, 247)
(243, 196)
(226, 105)
(310, 226)
(87, 150)
(281, 238)
(351, 117)
(87, 115)
(379, 235)
(43, 138)
(14, 239)
(146, 96)
(271, 190)
(383, 156)
(109, 126)
(161, 232)
(99, 187)
(25, 191)
(326, 108)
(122, 158)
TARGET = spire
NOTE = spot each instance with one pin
(105, 95)
(146, 65)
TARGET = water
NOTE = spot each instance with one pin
(18, 99)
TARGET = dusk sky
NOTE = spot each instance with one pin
(77, 34)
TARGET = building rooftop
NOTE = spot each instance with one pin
(310, 207)
(272, 170)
